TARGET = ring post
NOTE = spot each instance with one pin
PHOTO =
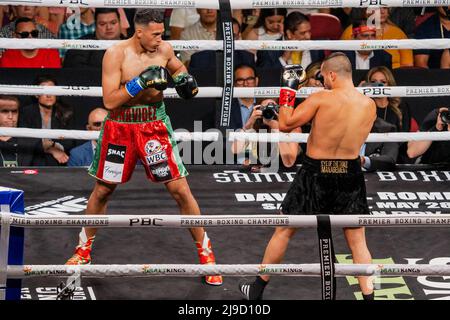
(327, 257)
(11, 247)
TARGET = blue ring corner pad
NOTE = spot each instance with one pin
(15, 200)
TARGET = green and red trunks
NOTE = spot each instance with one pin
(140, 132)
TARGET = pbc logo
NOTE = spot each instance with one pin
(145, 222)
(156, 153)
(375, 91)
(116, 153)
(371, 2)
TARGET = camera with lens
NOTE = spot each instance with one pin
(319, 77)
(445, 117)
(270, 110)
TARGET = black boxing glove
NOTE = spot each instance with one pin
(293, 78)
(185, 85)
(152, 77)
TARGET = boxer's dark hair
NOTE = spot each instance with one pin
(146, 16)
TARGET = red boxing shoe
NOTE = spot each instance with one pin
(82, 253)
(206, 256)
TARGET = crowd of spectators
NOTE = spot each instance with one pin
(257, 24)
(25, 22)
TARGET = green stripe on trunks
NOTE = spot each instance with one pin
(94, 165)
(173, 142)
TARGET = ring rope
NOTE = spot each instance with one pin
(198, 45)
(216, 92)
(179, 135)
(232, 136)
(235, 4)
(193, 270)
(183, 221)
(373, 137)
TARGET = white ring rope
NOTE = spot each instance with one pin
(93, 135)
(199, 45)
(216, 92)
(193, 270)
(235, 4)
(183, 221)
(373, 137)
(215, 136)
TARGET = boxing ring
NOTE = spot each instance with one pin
(407, 265)
(138, 263)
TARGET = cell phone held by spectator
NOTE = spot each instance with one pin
(251, 20)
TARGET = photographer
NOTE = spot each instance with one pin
(264, 118)
(432, 152)
(245, 76)
(380, 155)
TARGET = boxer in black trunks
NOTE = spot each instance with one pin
(330, 180)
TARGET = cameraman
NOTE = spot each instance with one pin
(380, 155)
(264, 118)
(245, 76)
(432, 152)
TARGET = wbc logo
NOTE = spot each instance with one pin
(156, 153)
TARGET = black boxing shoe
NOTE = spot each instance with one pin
(253, 290)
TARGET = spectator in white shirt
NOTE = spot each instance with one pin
(204, 29)
(180, 19)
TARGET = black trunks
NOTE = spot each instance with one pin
(327, 187)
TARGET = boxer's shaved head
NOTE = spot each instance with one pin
(336, 70)
(338, 63)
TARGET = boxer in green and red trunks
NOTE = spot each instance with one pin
(138, 132)
(134, 76)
